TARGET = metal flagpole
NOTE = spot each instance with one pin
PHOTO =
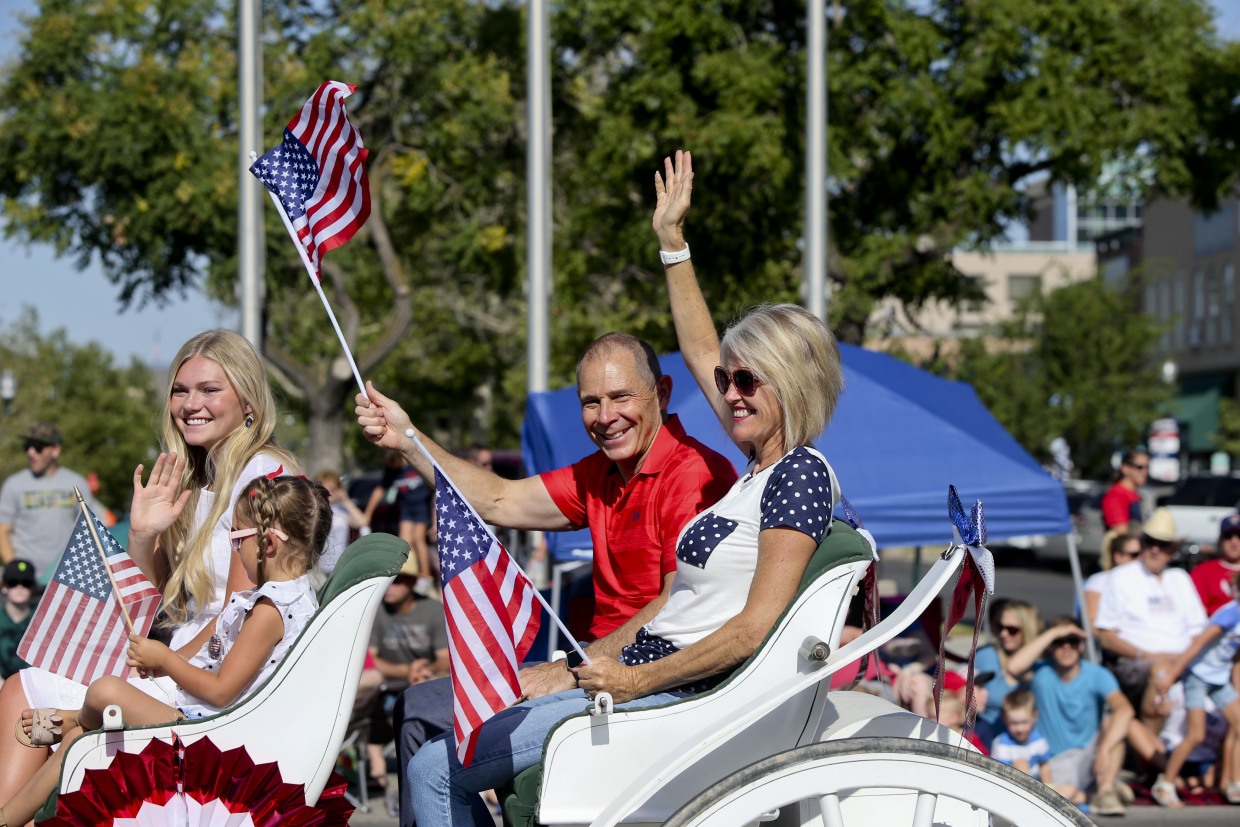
(249, 214)
(538, 183)
(90, 523)
(817, 287)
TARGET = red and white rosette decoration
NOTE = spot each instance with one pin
(977, 580)
(196, 785)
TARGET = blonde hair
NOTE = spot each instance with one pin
(796, 355)
(297, 506)
(186, 547)
(1019, 699)
(1028, 618)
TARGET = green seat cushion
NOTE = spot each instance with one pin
(842, 545)
(375, 555)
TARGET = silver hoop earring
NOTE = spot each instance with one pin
(249, 420)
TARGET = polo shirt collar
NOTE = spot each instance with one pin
(665, 443)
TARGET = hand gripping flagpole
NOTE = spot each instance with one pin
(409, 432)
(318, 286)
(90, 523)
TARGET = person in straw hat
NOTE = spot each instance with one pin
(1148, 614)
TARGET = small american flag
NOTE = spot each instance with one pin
(489, 605)
(78, 631)
(319, 173)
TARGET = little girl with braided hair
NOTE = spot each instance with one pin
(280, 527)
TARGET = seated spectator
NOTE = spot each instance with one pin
(1203, 766)
(1148, 614)
(1084, 715)
(1022, 745)
(1013, 623)
(1213, 578)
(1123, 547)
(409, 645)
(18, 607)
(346, 518)
(952, 715)
(1207, 668)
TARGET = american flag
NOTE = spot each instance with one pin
(319, 173)
(78, 631)
(489, 605)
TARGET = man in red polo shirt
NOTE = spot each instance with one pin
(636, 493)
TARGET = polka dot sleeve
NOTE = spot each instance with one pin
(798, 495)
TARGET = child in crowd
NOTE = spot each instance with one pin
(1021, 745)
(15, 613)
(280, 528)
(1207, 667)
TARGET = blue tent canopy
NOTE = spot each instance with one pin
(899, 436)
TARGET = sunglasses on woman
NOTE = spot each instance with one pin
(746, 383)
(238, 537)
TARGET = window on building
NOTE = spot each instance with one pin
(1023, 287)
(1178, 286)
(1164, 312)
(1213, 306)
(977, 286)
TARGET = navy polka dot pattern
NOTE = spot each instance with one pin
(798, 494)
(703, 537)
(648, 648)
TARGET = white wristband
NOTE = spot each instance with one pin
(676, 257)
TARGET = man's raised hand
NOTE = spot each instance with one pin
(382, 420)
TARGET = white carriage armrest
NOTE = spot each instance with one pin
(662, 771)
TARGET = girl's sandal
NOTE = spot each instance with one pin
(1165, 794)
(45, 729)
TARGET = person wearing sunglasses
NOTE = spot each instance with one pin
(1013, 623)
(15, 612)
(1148, 614)
(1213, 578)
(1083, 714)
(1121, 504)
(1121, 548)
(647, 479)
(37, 506)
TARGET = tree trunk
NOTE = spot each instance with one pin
(325, 447)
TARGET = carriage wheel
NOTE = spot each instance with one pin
(861, 781)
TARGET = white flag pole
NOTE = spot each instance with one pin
(314, 279)
(409, 432)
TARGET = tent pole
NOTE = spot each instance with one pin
(1078, 586)
(916, 576)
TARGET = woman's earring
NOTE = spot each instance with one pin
(249, 420)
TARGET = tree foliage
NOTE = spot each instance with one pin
(107, 413)
(118, 138)
(1073, 363)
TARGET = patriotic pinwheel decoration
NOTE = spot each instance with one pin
(977, 578)
(196, 785)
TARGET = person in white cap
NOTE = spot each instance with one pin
(1148, 614)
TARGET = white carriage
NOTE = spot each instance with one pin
(771, 744)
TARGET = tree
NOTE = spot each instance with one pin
(107, 413)
(1073, 363)
(940, 111)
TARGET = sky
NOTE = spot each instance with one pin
(84, 302)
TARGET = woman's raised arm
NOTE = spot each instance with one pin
(695, 330)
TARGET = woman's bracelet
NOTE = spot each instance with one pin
(674, 258)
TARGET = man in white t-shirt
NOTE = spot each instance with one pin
(1149, 613)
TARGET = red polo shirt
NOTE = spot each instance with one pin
(635, 525)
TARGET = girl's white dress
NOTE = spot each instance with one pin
(297, 604)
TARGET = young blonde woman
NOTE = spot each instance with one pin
(218, 431)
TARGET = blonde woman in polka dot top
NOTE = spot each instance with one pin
(774, 382)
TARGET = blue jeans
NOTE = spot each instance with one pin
(445, 793)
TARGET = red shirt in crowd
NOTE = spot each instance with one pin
(1213, 581)
(1120, 505)
(634, 526)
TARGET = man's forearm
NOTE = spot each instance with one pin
(6, 544)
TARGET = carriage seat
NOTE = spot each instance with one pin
(622, 742)
(314, 686)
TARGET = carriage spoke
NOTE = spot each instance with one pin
(924, 815)
(831, 814)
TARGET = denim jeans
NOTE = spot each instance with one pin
(445, 793)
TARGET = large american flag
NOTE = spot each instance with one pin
(319, 173)
(489, 605)
(78, 631)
